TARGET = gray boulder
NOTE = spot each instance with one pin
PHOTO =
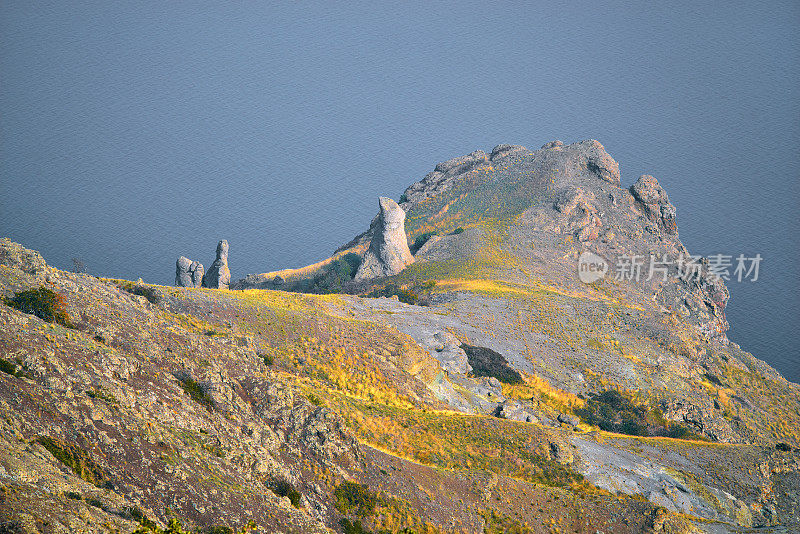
(388, 252)
(218, 275)
(515, 411)
(446, 348)
(188, 273)
(654, 203)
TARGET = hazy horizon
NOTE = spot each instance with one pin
(133, 134)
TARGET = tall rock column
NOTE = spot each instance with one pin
(188, 273)
(218, 275)
(388, 252)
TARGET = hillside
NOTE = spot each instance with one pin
(498, 393)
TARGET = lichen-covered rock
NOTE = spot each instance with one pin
(553, 144)
(188, 273)
(502, 151)
(594, 156)
(583, 218)
(701, 419)
(515, 411)
(446, 348)
(447, 173)
(218, 275)
(654, 203)
(388, 252)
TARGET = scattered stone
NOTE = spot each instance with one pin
(654, 203)
(450, 354)
(561, 453)
(219, 275)
(570, 420)
(388, 252)
(515, 411)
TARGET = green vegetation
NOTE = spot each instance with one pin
(420, 241)
(352, 497)
(211, 332)
(74, 495)
(335, 275)
(459, 230)
(196, 391)
(76, 459)
(150, 293)
(284, 488)
(174, 526)
(486, 362)
(98, 393)
(352, 527)
(403, 294)
(43, 303)
(612, 411)
(456, 441)
(403, 198)
(9, 368)
(269, 359)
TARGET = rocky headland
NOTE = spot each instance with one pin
(447, 370)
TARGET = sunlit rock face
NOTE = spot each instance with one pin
(388, 252)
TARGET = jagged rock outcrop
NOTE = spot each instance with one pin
(388, 252)
(446, 173)
(583, 219)
(654, 203)
(218, 275)
(700, 419)
(188, 273)
(597, 160)
(502, 151)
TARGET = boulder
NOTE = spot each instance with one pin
(446, 348)
(388, 252)
(515, 411)
(653, 202)
(218, 275)
(188, 273)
